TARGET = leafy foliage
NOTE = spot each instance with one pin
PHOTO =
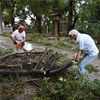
(92, 68)
(7, 86)
(89, 20)
(65, 88)
(5, 51)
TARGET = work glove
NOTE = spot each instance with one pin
(23, 43)
(75, 55)
(15, 42)
(74, 62)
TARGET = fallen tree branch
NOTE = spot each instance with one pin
(37, 73)
(41, 58)
(31, 80)
(4, 66)
(52, 64)
(19, 54)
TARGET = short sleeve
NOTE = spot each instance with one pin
(13, 34)
(24, 35)
(80, 45)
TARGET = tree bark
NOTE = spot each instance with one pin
(1, 29)
(36, 73)
(70, 14)
(38, 23)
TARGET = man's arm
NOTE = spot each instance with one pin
(23, 42)
(24, 38)
(78, 55)
(11, 38)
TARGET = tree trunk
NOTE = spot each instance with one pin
(71, 19)
(56, 28)
(12, 20)
(70, 15)
(75, 20)
(36, 73)
(38, 23)
(1, 29)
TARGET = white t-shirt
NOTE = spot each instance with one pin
(18, 36)
(87, 44)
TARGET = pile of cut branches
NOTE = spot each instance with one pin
(32, 63)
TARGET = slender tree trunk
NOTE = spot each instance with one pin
(75, 20)
(12, 20)
(70, 15)
(71, 19)
(1, 29)
(38, 22)
(56, 28)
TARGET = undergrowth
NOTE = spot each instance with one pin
(66, 88)
(5, 51)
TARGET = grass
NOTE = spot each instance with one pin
(92, 68)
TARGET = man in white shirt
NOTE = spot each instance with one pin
(87, 45)
(19, 35)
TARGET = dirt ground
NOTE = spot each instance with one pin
(7, 43)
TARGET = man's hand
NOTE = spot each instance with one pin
(23, 43)
(15, 42)
(74, 62)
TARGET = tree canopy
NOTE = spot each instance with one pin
(81, 14)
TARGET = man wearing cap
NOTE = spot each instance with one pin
(87, 45)
(19, 35)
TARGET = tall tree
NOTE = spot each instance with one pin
(1, 31)
(38, 9)
(12, 7)
(59, 8)
(72, 14)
